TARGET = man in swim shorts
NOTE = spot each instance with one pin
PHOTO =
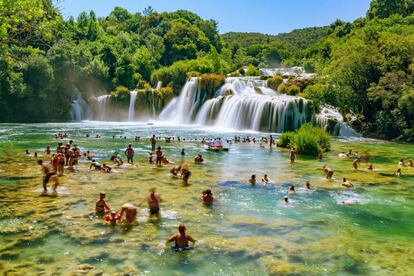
(153, 142)
(129, 152)
(181, 239)
(158, 154)
(48, 175)
(328, 171)
(252, 180)
(153, 200)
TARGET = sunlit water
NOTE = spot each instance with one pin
(249, 230)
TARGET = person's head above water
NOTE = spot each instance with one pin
(308, 184)
(208, 192)
(159, 148)
(102, 195)
(253, 176)
(40, 162)
(129, 146)
(286, 199)
(181, 229)
(292, 188)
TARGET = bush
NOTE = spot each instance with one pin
(252, 71)
(308, 140)
(293, 90)
(274, 82)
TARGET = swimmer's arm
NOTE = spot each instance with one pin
(190, 238)
(107, 206)
(172, 238)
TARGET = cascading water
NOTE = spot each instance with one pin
(80, 108)
(159, 85)
(242, 104)
(102, 104)
(332, 121)
(132, 99)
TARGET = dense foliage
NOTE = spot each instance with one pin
(307, 140)
(365, 68)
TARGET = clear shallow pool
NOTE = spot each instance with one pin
(248, 230)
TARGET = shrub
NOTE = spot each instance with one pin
(307, 140)
(293, 90)
(252, 71)
(274, 82)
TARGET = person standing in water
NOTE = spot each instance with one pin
(48, 175)
(355, 163)
(271, 141)
(158, 154)
(130, 213)
(181, 239)
(153, 200)
(153, 142)
(308, 186)
(252, 180)
(266, 179)
(129, 152)
(185, 173)
(328, 171)
(292, 154)
(182, 152)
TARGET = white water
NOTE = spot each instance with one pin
(80, 108)
(329, 113)
(246, 104)
(132, 99)
(102, 103)
(159, 85)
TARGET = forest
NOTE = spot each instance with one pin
(365, 68)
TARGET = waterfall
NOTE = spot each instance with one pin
(246, 103)
(159, 84)
(180, 109)
(131, 111)
(332, 121)
(102, 104)
(80, 108)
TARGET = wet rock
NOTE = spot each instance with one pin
(87, 269)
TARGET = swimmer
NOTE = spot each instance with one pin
(355, 163)
(96, 165)
(175, 170)
(27, 152)
(292, 154)
(181, 240)
(35, 155)
(151, 158)
(346, 183)
(286, 200)
(48, 175)
(112, 218)
(129, 152)
(252, 180)
(153, 200)
(165, 160)
(130, 213)
(342, 155)
(47, 150)
(266, 179)
(182, 152)
(292, 190)
(185, 173)
(116, 158)
(207, 197)
(410, 163)
(158, 154)
(198, 159)
(153, 142)
(401, 163)
(398, 172)
(350, 201)
(89, 155)
(106, 168)
(370, 167)
(320, 155)
(101, 205)
(308, 186)
(328, 171)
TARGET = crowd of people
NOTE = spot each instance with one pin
(68, 156)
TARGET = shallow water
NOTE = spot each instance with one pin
(249, 230)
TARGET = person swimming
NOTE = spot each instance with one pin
(328, 171)
(410, 163)
(286, 200)
(183, 152)
(252, 180)
(266, 179)
(129, 152)
(292, 190)
(207, 197)
(346, 183)
(106, 168)
(370, 167)
(320, 155)
(181, 239)
(398, 172)
(175, 170)
(101, 205)
(198, 159)
(401, 163)
(308, 186)
(153, 200)
(112, 218)
(95, 165)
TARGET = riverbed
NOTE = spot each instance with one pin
(248, 230)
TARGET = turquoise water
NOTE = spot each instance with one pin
(249, 230)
